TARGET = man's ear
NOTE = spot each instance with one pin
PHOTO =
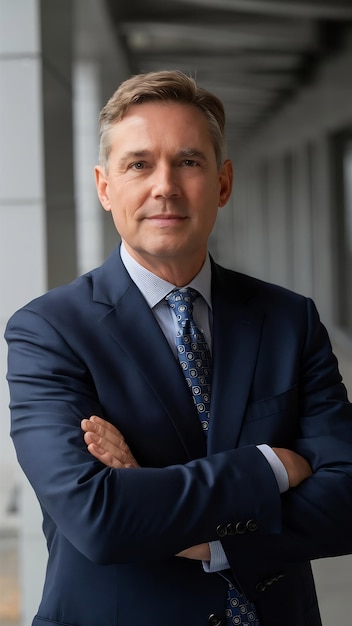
(102, 187)
(226, 180)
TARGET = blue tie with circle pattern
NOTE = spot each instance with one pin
(195, 360)
(193, 352)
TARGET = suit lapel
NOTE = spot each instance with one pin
(131, 323)
(237, 327)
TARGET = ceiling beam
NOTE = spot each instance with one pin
(307, 9)
(145, 35)
(243, 61)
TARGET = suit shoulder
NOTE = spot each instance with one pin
(63, 294)
(75, 294)
(61, 305)
(256, 287)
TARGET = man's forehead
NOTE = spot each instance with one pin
(164, 111)
(171, 119)
(178, 129)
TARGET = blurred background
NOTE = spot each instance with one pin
(283, 69)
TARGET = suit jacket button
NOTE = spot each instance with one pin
(252, 525)
(214, 620)
(221, 530)
(240, 528)
(231, 529)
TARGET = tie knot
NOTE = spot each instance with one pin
(181, 302)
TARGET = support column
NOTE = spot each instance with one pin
(37, 220)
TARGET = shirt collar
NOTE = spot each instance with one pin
(154, 288)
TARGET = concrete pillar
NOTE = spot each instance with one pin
(56, 31)
(37, 219)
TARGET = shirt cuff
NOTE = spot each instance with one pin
(218, 560)
(277, 466)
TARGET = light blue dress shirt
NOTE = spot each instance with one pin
(154, 290)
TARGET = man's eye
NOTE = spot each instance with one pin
(190, 162)
(138, 166)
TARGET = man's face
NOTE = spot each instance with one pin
(162, 186)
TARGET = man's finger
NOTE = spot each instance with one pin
(104, 457)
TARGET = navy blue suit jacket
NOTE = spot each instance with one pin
(94, 347)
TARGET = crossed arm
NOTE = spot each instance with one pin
(107, 444)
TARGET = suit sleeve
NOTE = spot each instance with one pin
(316, 515)
(117, 515)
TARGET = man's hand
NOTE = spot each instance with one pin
(200, 552)
(107, 444)
(297, 467)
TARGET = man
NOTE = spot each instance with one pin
(171, 499)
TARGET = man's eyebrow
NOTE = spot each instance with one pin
(191, 153)
(133, 154)
(185, 153)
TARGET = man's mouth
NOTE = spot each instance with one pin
(167, 218)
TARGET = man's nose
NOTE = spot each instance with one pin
(165, 182)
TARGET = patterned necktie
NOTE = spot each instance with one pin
(193, 352)
(195, 361)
